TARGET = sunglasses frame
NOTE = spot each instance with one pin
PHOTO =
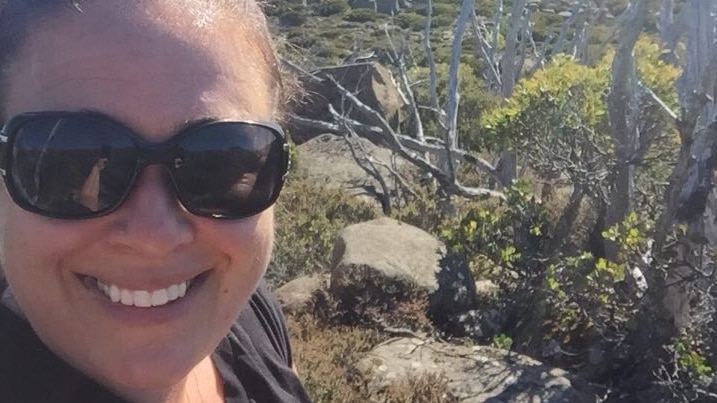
(149, 153)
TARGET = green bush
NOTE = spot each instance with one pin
(438, 9)
(545, 23)
(410, 21)
(362, 15)
(443, 21)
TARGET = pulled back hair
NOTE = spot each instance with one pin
(17, 17)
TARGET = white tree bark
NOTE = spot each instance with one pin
(624, 111)
(507, 62)
(687, 198)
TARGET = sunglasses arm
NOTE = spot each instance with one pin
(3, 152)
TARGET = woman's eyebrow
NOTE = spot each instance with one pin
(187, 124)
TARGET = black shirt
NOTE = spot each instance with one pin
(254, 361)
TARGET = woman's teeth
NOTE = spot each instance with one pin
(142, 298)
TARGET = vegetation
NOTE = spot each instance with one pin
(569, 301)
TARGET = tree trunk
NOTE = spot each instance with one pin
(623, 108)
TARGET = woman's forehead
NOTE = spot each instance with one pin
(149, 74)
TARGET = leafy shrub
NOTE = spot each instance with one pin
(362, 15)
(412, 21)
(443, 21)
(558, 119)
(446, 9)
(544, 23)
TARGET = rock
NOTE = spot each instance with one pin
(295, 295)
(327, 159)
(486, 288)
(474, 374)
(372, 83)
(384, 261)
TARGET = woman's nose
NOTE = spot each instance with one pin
(151, 221)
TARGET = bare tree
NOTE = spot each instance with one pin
(624, 111)
(690, 198)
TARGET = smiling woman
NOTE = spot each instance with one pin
(140, 164)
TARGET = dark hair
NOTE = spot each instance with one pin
(18, 16)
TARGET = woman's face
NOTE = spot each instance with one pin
(155, 72)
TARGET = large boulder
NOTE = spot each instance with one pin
(372, 83)
(327, 159)
(473, 373)
(384, 261)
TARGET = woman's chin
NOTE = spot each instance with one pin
(146, 373)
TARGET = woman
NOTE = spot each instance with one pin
(149, 293)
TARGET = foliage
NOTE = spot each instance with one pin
(438, 9)
(426, 209)
(308, 219)
(362, 15)
(538, 106)
(505, 238)
(558, 121)
(502, 341)
(691, 359)
(595, 293)
(544, 23)
(411, 21)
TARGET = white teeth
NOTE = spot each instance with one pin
(142, 298)
(173, 292)
(115, 293)
(159, 297)
(127, 297)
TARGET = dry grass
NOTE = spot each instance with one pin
(326, 352)
(325, 356)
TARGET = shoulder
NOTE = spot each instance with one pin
(264, 306)
(255, 358)
(29, 372)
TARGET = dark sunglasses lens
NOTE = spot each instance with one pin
(71, 167)
(229, 169)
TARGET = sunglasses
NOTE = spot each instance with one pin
(75, 165)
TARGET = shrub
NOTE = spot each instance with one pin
(410, 21)
(443, 21)
(308, 219)
(362, 15)
(446, 9)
